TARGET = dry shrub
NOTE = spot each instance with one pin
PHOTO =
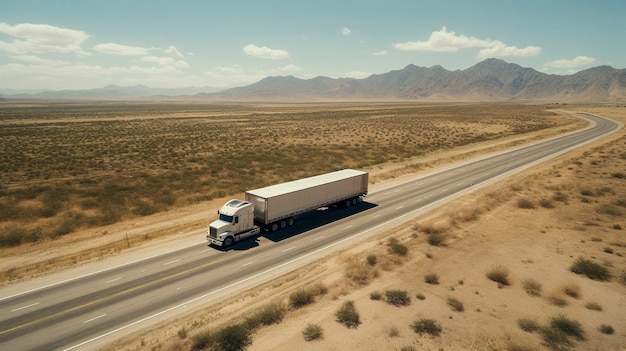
(432, 228)
(499, 274)
(532, 287)
(571, 289)
(359, 271)
(525, 203)
(556, 298)
(468, 214)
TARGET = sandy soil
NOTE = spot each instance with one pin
(482, 230)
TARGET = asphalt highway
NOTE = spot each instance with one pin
(86, 312)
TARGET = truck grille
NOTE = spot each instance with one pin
(213, 232)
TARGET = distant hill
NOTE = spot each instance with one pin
(490, 80)
(110, 92)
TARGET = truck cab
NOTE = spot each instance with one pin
(235, 223)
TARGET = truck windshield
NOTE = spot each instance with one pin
(226, 218)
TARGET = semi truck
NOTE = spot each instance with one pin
(276, 207)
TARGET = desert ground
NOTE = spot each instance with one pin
(529, 229)
(532, 227)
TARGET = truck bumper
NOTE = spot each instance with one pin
(214, 241)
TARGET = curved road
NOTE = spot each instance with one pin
(88, 311)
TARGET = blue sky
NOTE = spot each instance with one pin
(70, 44)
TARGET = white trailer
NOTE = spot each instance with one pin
(275, 207)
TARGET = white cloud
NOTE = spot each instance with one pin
(575, 62)
(42, 38)
(172, 50)
(163, 61)
(443, 41)
(380, 53)
(449, 41)
(265, 52)
(289, 68)
(120, 50)
(39, 60)
(501, 50)
(346, 31)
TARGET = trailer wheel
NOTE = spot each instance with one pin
(283, 224)
(274, 227)
(354, 201)
(228, 241)
(347, 203)
(291, 221)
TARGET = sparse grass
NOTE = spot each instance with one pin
(518, 347)
(545, 203)
(360, 272)
(590, 269)
(560, 197)
(397, 297)
(376, 295)
(104, 160)
(371, 259)
(618, 175)
(426, 326)
(455, 304)
(301, 298)
(499, 274)
(525, 203)
(606, 329)
(431, 278)
(532, 287)
(436, 239)
(556, 298)
(420, 296)
(393, 332)
(528, 325)
(396, 247)
(271, 313)
(313, 332)
(568, 326)
(235, 337)
(571, 290)
(610, 210)
(348, 315)
(594, 306)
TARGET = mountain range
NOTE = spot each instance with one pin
(491, 80)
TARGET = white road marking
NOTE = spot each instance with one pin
(399, 207)
(247, 264)
(291, 248)
(25, 307)
(168, 263)
(348, 227)
(112, 280)
(94, 273)
(376, 216)
(94, 318)
(318, 238)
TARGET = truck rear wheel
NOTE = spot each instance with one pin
(228, 241)
(283, 224)
(291, 221)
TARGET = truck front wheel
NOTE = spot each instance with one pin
(274, 227)
(228, 241)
